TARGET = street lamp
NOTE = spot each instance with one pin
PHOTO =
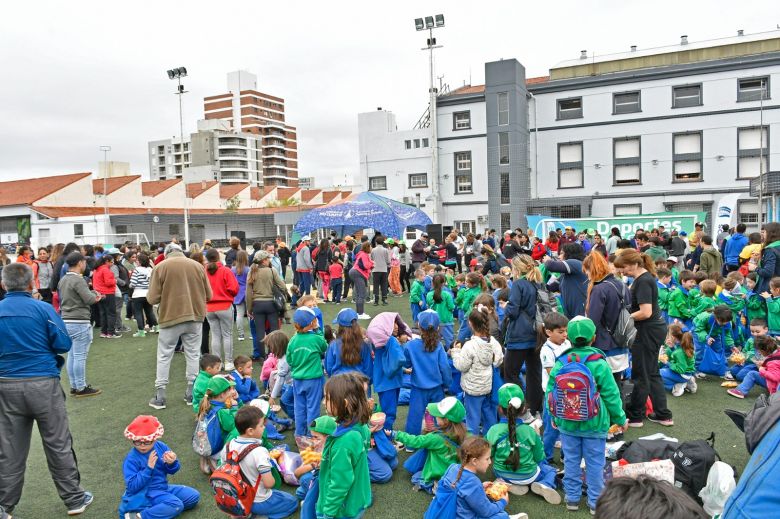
(177, 74)
(429, 23)
(105, 150)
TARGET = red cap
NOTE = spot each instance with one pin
(144, 428)
(473, 263)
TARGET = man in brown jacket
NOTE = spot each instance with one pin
(179, 285)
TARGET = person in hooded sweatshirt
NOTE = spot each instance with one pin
(573, 282)
(711, 260)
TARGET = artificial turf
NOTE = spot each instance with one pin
(125, 370)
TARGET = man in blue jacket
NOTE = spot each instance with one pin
(34, 339)
(734, 246)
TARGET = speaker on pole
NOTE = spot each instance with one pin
(435, 231)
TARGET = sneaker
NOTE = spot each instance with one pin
(691, 387)
(241, 338)
(736, 393)
(86, 501)
(376, 303)
(592, 511)
(4, 514)
(549, 494)
(518, 490)
(155, 329)
(139, 333)
(572, 507)
(678, 389)
(364, 316)
(728, 376)
(124, 329)
(385, 303)
(188, 395)
(229, 366)
(158, 400)
(132, 515)
(521, 515)
(72, 392)
(636, 425)
(701, 375)
(204, 465)
(666, 422)
(87, 391)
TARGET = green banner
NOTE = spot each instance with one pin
(23, 229)
(628, 225)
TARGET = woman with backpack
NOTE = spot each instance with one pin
(769, 266)
(573, 282)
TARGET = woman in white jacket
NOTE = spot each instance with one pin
(476, 360)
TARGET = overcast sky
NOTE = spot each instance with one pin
(77, 75)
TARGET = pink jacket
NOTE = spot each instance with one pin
(268, 366)
(770, 370)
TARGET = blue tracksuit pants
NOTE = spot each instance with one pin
(380, 470)
(671, 378)
(447, 332)
(308, 399)
(388, 401)
(550, 435)
(479, 410)
(546, 476)
(418, 399)
(170, 504)
(575, 449)
(279, 505)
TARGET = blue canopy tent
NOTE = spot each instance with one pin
(364, 211)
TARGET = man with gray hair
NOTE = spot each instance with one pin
(34, 340)
(179, 285)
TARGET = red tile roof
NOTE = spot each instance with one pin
(283, 193)
(63, 212)
(537, 80)
(29, 190)
(478, 89)
(155, 187)
(228, 191)
(255, 193)
(309, 194)
(328, 196)
(112, 184)
(196, 189)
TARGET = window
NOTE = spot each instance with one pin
(753, 89)
(752, 151)
(418, 180)
(747, 213)
(506, 222)
(463, 172)
(461, 120)
(503, 148)
(627, 161)
(687, 157)
(503, 108)
(78, 229)
(570, 108)
(626, 103)
(570, 165)
(408, 144)
(504, 181)
(467, 226)
(684, 96)
(425, 143)
(417, 143)
(121, 229)
(563, 211)
(173, 229)
(377, 183)
(626, 209)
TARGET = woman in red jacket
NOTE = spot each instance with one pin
(224, 287)
(359, 274)
(104, 282)
(539, 250)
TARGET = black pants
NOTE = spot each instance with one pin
(263, 311)
(513, 362)
(405, 285)
(107, 314)
(46, 295)
(380, 284)
(347, 284)
(142, 307)
(644, 373)
(458, 258)
(205, 335)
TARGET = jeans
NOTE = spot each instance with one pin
(418, 400)
(141, 308)
(335, 286)
(479, 410)
(81, 335)
(360, 290)
(575, 449)
(171, 503)
(221, 324)
(190, 334)
(40, 400)
(240, 310)
(750, 380)
(388, 401)
(107, 314)
(118, 301)
(739, 371)
(645, 374)
(263, 311)
(308, 398)
(380, 285)
(279, 505)
(513, 362)
(305, 285)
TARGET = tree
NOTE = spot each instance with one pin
(233, 204)
(287, 202)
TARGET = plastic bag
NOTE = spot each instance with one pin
(720, 485)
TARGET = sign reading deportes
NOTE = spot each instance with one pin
(628, 225)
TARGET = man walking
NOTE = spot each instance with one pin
(179, 285)
(34, 339)
(419, 251)
(381, 258)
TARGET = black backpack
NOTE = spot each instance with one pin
(692, 462)
(641, 451)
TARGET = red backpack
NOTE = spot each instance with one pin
(232, 492)
(575, 396)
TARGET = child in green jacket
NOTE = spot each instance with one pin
(773, 306)
(210, 365)
(679, 372)
(707, 299)
(441, 301)
(681, 307)
(713, 340)
(475, 284)
(221, 400)
(664, 282)
(417, 294)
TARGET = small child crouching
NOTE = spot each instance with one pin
(679, 373)
(767, 356)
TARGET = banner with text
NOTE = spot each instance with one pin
(628, 225)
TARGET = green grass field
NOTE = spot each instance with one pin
(125, 370)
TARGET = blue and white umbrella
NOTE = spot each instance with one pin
(364, 211)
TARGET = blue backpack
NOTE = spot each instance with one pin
(444, 503)
(207, 439)
(574, 396)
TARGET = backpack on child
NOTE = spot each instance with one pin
(207, 439)
(692, 462)
(444, 504)
(574, 395)
(624, 330)
(232, 492)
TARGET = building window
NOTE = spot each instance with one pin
(627, 161)
(408, 144)
(504, 180)
(173, 229)
(461, 120)
(503, 108)
(506, 222)
(425, 143)
(417, 180)
(570, 165)
(503, 148)
(463, 172)
(563, 211)
(466, 226)
(626, 103)
(687, 157)
(570, 108)
(78, 229)
(685, 96)
(121, 229)
(417, 143)
(377, 183)
(626, 209)
(752, 151)
(747, 213)
(753, 89)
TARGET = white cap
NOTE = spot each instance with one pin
(261, 404)
(306, 238)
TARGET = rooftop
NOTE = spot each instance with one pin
(196, 189)
(479, 89)
(30, 190)
(227, 191)
(112, 184)
(155, 187)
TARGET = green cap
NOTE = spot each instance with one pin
(449, 408)
(581, 331)
(219, 384)
(324, 425)
(510, 394)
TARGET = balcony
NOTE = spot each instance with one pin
(233, 163)
(231, 142)
(233, 176)
(232, 153)
(771, 184)
(273, 154)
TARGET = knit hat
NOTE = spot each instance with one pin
(581, 331)
(428, 319)
(449, 408)
(260, 256)
(144, 428)
(346, 317)
(219, 384)
(324, 425)
(261, 404)
(304, 316)
(510, 394)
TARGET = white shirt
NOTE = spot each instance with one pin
(256, 463)
(548, 354)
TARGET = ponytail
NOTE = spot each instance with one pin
(430, 338)
(686, 343)
(205, 405)
(438, 283)
(649, 264)
(212, 256)
(472, 448)
(512, 415)
(479, 320)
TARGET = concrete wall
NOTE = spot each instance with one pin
(78, 193)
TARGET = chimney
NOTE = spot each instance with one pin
(684, 39)
(633, 48)
(583, 54)
(740, 32)
(203, 184)
(379, 108)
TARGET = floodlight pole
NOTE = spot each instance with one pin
(180, 92)
(432, 92)
(105, 150)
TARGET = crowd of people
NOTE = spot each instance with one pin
(498, 328)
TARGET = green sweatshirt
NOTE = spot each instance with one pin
(528, 442)
(705, 329)
(416, 292)
(749, 350)
(704, 304)
(445, 308)
(442, 452)
(663, 297)
(465, 300)
(611, 405)
(756, 307)
(345, 486)
(199, 389)
(773, 314)
(679, 362)
(304, 355)
(680, 304)
(451, 283)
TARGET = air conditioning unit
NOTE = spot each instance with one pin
(482, 219)
(408, 200)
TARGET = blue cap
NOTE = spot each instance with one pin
(428, 319)
(304, 316)
(346, 317)
(683, 233)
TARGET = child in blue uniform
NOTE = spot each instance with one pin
(387, 335)
(246, 387)
(146, 468)
(349, 351)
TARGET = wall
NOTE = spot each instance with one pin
(78, 193)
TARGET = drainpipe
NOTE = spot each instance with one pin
(534, 178)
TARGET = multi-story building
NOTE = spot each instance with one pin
(678, 128)
(247, 110)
